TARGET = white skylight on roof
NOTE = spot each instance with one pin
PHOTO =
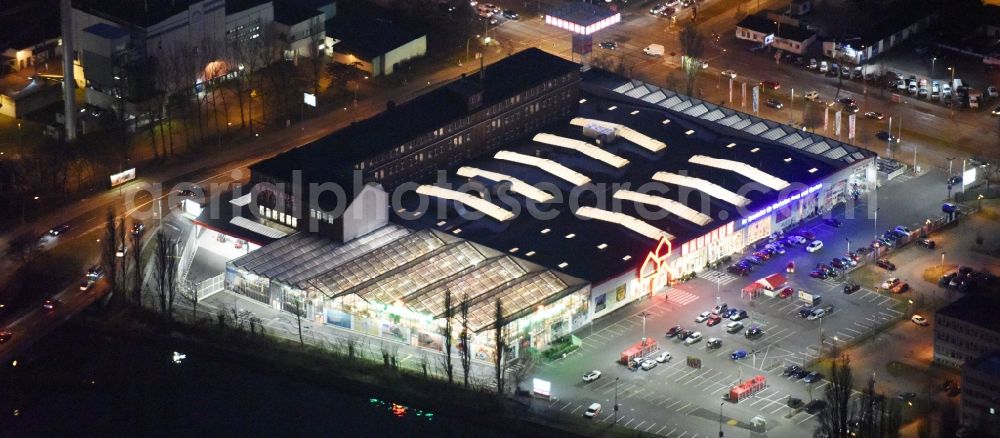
(670, 205)
(754, 150)
(515, 249)
(813, 170)
(529, 253)
(583, 100)
(665, 121)
(475, 202)
(710, 189)
(241, 201)
(625, 132)
(570, 236)
(743, 169)
(546, 231)
(257, 227)
(583, 148)
(441, 223)
(731, 145)
(612, 107)
(788, 159)
(456, 231)
(632, 223)
(563, 265)
(627, 258)
(517, 186)
(689, 132)
(549, 166)
(602, 246)
(634, 112)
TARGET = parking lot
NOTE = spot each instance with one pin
(677, 400)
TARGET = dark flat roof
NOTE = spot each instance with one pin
(139, 13)
(581, 253)
(581, 13)
(366, 31)
(289, 13)
(976, 308)
(106, 31)
(17, 33)
(763, 24)
(895, 20)
(429, 111)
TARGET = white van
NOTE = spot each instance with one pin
(824, 67)
(654, 50)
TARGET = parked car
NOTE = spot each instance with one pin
(693, 338)
(592, 376)
(885, 136)
(785, 293)
(816, 273)
(927, 243)
(812, 95)
(593, 410)
(738, 315)
(609, 45)
(797, 239)
(511, 14)
(702, 317)
(804, 312)
(847, 101)
(713, 343)
(851, 287)
(814, 376)
(773, 103)
(795, 403)
(657, 9)
(663, 357)
(918, 320)
(814, 246)
(753, 333)
(833, 222)
(816, 406)
(813, 65)
(738, 354)
(903, 287)
(791, 370)
(837, 263)
(734, 327)
(885, 264)
(648, 364)
(674, 331)
(721, 308)
(892, 281)
(713, 320)
(816, 314)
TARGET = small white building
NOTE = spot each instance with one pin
(373, 43)
(784, 36)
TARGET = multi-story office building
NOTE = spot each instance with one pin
(981, 392)
(966, 329)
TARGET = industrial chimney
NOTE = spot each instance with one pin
(69, 83)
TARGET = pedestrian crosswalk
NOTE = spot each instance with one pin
(681, 297)
(718, 276)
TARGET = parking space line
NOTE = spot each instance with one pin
(682, 434)
(809, 417)
(672, 404)
(577, 408)
(661, 402)
(775, 411)
(683, 407)
(650, 427)
(661, 429)
(640, 424)
(629, 422)
(564, 406)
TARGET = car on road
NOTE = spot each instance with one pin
(814, 376)
(816, 314)
(773, 85)
(593, 410)
(812, 95)
(886, 264)
(86, 284)
(851, 109)
(885, 136)
(59, 229)
(713, 343)
(592, 376)
(137, 228)
(674, 331)
(95, 272)
(786, 292)
(609, 45)
(50, 304)
(729, 74)
(816, 406)
(847, 101)
(812, 65)
(663, 357)
(996, 111)
(816, 273)
(121, 251)
(713, 320)
(738, 354)
(693, 338)
(703, 316)
(773, 103)
(851, 287)
(734, 327)
(657, 9)
(814, 246)
(648, 364)
(654, 50)
(906, 396)
(918, 320)
(892, 281)
(955, 180)
(753, 333)
(874, 115)
(5, 336)
(511, 14)
(927, 243)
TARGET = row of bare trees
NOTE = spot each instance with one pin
(872, 415)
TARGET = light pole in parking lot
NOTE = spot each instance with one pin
(616, 400)
(720, 419)
(848, 246)
(942, 261)
(933, 62)
(644, 314)
(876, 217)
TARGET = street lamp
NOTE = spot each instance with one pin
(644, 314)
(942, 260)
(980, 198)
(720, 419)
(876, 217)
(616, 400)
(848, 246)
(933, 62)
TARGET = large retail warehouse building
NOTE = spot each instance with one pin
(595, 190)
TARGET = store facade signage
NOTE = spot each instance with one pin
(777, 205)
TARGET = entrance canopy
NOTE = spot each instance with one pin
(773, 281)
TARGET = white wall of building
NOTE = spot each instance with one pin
(368, 211)
(614, 293)
(412, 49)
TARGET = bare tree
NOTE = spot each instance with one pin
(317, 56)
(446, 332)
(524, 369)
(692, 44)
(299, 312)
(138, 267)
(109, 248)
(192, 296)
(835, 418)
(500, 343)
(165, 264)
(463, 340)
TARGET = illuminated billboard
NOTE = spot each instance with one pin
(123, 177)
(581, 29)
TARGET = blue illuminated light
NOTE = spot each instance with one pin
(777, 205)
